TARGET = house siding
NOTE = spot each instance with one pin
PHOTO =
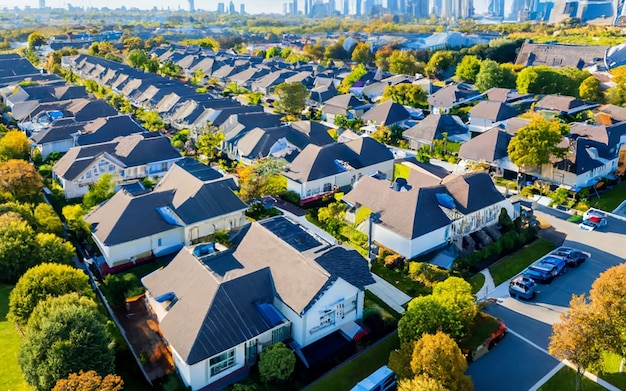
(586, 179)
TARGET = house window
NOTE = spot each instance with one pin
(88, 174)
(328, 187)
(222, 362)
(102, 166)
(159, 241)
(282, 333)
(111, 168)
(327, 318)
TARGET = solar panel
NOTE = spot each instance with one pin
(292, 234)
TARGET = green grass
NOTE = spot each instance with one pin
(11, 378)
(515, 263)
(355, 370)
(575, 219)
(505, 183)
(400, 280)
(477, 281)
(371, 300)
(565, 380)
(611, 199)
(484, 326)
(610, 370)
(401, 171)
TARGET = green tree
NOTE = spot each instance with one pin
(23, 210)
(137, 58)
(456, 294)
(576, 337)
(260, 179)
(406, 94)
(150, 120)
(489, 76)
(316, 51)
(362, 53)
(47, 220)
(291, 98)
(438, 357)
(68, 339)
(590, 89)
(89, 381)
(543, 79)
(399, 360)
(439, 62)
(14, 145)
(51, 248)
(382, 135)
(334, 211)
(17, 247)
(403, 62)
(77, 226)
(355, 75)
(208, 145)
(35, 40)
(536, 143)
(420, 383)
(336, 52)
(468, 68)
(276, 363)
(381, 58)
(272, 52)
(20, 181)
(41, 282)
(426, 314)
(100, 191)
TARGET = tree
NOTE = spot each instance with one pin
(577, 337)
(35, 40)
(14, 145)
(260, 179)
(89, 381)
(382, 57)
(468, 68)
(208, 144)
(382, 135)
(426, 314)
(420, 383)
(336, 52)
(100, 191)
(489, 76)
(543, 79)
(438, 357)
(17, 247)
(399, 360)
(23, 210)
(73, 215)
(355, 75)
(590, 89)
(276, 363)
(536, 143)
(137, 58)
(406, 94)
(334, 211)
(272, 52)
(20, 181)
(362, 53)
(47, 220)
(51, 248)
(150, 120)
(316, 51)
(456, 294)
(43, 281)
(69, 338)
(439, 62)
(403, 62)
(291, 98)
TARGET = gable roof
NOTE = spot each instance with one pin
(585, 156)
(386, 113)
(106, 129)
(493, 111)
(451, 94)
(488, 146)
(343, 101)
(560, 55)
(433, 126)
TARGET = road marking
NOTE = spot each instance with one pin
(547, 377)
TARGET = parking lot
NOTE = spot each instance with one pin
(521, 359)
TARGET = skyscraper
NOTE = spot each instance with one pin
(192, 9)
(242, 8)
(231, 7)
(294, 7)
(220, 8)
(42, 4)
(346, 7)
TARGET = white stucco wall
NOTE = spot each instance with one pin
(589, 178)
(57, 146)
(204, 228)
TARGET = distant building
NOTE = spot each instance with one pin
(242, 9)
(42, 4)
(191, 6)
(220, 8)
(294, 7)
(231, 7)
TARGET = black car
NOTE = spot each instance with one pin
(572, 256)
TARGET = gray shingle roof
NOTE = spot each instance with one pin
(386, 113)
(432, 128)
(488, 146)
(106, 129)
(494, 111)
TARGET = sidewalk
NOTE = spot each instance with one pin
(388, 293)
(488, 287)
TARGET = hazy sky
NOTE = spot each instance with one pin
(252, 6)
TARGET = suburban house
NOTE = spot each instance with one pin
(563, 105)
(219, 309)
(433, 128)
(490, 148)
(191, 202)
(132, 157)
(320, 170)
(442, 100)
(387, 113)
(345, 104)
(414, 216)
(487, 114)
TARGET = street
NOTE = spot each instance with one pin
(521, 359)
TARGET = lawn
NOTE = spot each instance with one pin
(346, 376)
(11, 378)
(371, 300)
(565, 380)
(477, 281)
(515, 263)
(400, 280)
(611, 199)
(610, 371)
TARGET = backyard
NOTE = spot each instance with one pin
(10, 373)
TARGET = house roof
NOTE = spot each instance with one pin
(585, 156)
(386, 113)
(106, 129)
(560, 55)
(343, 101)
(560, 103)
(217, 296)
(129, 151)
(238, 124)
(417, 211)
(488, 146)
(451, 94)
(188, 192)
(433, 126)
(315, 162)
(493, 111)
(617, 113)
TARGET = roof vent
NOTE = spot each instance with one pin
(445, 200)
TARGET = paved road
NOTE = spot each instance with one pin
(521, 359)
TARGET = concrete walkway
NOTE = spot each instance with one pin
(488, 287)
(388, 293)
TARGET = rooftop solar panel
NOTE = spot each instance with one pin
(291, 233)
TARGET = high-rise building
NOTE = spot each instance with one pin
(332, 7)
(42, 4)
(346, 8)
(191, 6)
(220, 8)
(231, 7)
(242, 8)
(357, 8)
(294, 7)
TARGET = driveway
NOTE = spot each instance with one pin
(530, 322)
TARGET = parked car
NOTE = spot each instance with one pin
(593, 223)
(593, 213)
(573, 257)
(522, 287)
(558, 262)
(543, 274)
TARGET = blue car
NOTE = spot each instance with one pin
(542, 274)
(522, 287)
(558, 262)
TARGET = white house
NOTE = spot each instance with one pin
(219, 309)
(320, 170)
(132, 157)
(415, 217)
(191, 202)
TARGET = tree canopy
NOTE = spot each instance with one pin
(100, 191)
(355, 75)
(491, 74)
(590, 90)
(406, 94)
(260, 179)
(14, 145)
(208, 145)
(468, 69)
(47, 220)
(403, 63)
(537, 142)
(276, 363)
(439, 62)
(43, 281)
(20, 181)
(362, 53)
(291, 98)
(35, 39)
(89, 381)
(17, 247)
(543, 79)
(426, 314)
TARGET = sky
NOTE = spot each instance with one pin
(252, 6)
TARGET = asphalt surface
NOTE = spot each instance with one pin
(521, 359)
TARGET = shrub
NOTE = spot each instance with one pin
(276, 363)
(291, 197)
(393, 261)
